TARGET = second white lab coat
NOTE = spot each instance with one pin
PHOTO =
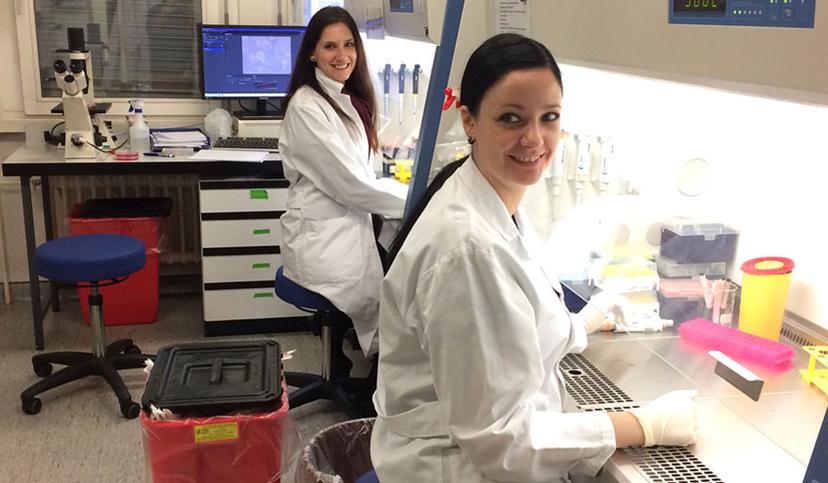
(471, 335)
(328, 243)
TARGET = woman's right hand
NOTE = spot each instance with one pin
(669, 420)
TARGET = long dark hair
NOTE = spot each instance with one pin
(358, 84)
(492, 61)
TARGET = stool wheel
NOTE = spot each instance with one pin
(31, 406)
(353, 340)
(42, 370)
(132, 349)
(130, 409)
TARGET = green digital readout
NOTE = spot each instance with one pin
(700, 5)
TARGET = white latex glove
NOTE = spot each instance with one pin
(603, 311)
(669, 420)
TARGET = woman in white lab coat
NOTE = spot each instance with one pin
(472, 322)
(328, 142)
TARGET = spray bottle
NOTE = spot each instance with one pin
(139, 139)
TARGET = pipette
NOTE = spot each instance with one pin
(386, 88)
(415, 84)
(401, 76)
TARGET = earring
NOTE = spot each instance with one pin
(471, 139)
(313, 60)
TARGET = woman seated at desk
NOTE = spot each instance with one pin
(328, 142)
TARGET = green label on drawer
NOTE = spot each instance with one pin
(258, 194)
(261, 265)
(259, 295)
(261, 231)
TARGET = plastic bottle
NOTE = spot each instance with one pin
(139, 140)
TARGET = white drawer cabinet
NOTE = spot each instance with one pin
(240, 233)
(240, 237)
(245, 304)
(234, 268)
(235, 200)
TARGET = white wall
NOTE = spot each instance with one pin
(769, 160)
(11, 93)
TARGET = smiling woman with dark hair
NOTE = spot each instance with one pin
(328, 142)
(472, 323)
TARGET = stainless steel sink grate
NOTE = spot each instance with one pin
(588, 386)
(671, 464)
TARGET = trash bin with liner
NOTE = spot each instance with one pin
(338, 454)
(231, 406)
(134, 301)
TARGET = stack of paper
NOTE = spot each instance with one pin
(190, 138)
(229, 155)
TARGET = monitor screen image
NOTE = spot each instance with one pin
(239, 61)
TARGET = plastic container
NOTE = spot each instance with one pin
(698, 243)
(668, 268)
(765, 284)
(135, 300)
(214, 378)
(234, 410)
(680, 299)
(737, 344)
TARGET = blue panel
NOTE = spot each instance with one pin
(747, 13)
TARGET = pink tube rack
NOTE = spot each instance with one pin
(735, 343)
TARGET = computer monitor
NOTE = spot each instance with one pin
(249, 61)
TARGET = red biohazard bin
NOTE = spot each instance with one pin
(135, 300)
(233, 408)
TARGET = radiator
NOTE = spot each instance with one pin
(181, 230)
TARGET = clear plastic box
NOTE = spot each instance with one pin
(698, 243)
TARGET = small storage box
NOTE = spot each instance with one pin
(699, 243)
(668, 268)
(207, 384)
(680, 299)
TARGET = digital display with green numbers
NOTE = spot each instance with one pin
(700, 5)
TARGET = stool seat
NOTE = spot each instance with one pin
(370, 477)
(295, 294)
(90, 258)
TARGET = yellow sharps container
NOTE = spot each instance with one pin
(765, 284)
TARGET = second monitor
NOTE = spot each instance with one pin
(249, 62)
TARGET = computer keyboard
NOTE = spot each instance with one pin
(258, 144)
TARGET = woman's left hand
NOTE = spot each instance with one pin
(603, 312)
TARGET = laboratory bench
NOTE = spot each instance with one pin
(740, 440)
(43, 161)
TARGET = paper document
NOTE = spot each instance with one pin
(229, 155)
(178, 138)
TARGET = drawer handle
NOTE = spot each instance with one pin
(258, 194)
(261, 265)
(261, 295)
(261, 231)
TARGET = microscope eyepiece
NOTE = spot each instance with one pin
(76, 66)
(59, 66)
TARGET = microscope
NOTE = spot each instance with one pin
(84, 128)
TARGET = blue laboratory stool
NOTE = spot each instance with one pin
(91, 261)
(334, 383)
(370, 477)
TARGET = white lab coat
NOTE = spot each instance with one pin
(328, 241)
(471, 334)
